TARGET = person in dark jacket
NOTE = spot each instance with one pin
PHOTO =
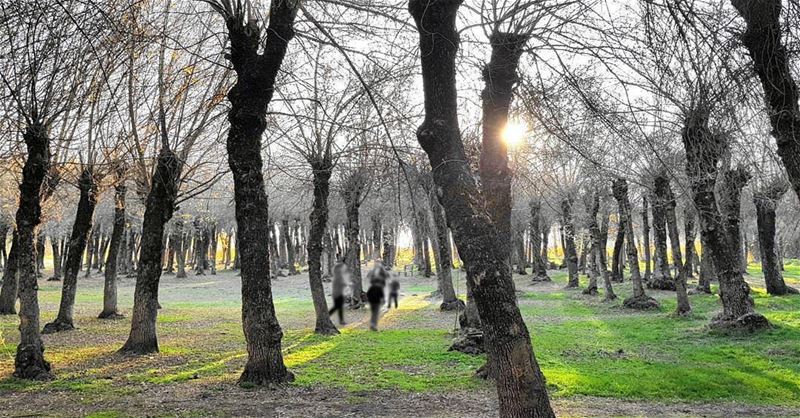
(394, 292)
(375, 294)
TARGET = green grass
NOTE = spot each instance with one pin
(584, 346)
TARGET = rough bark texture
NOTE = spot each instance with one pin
(351, 194)
(321, 169)
(520, 383)
(29, 362)
(730, 202)
(288, 247)
(598, 247)
(766, 202)
(159, 206)
(249, 98)
(110, 283)
(570, 254)
(8, 291)
(616, 256)
(689, 233)
(539, 262)
(762, 38)
(639, 300)
(442, 242)
(648, 275)
(702, 156)
(663, 189)
(77, 243)
(662, 279)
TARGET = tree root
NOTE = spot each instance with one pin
(590, 291)
(110, 315)
(453, 305)
(30, 363)
(641, 303)
(661, 283)
(468, 341)
(747, 323)
(57, 326)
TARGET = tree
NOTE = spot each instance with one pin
(766, 202)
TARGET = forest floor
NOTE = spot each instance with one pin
(599, 359)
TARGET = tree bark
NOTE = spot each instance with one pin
(539, 264)
(388, 247)
(110, 284)
(648, 275)
(664, 190)
(249, 98)
(351, 194)
(639, 299)
(570, 255)
(766, 202)
(55, 246)
(662, 279)
(321, 169)
(29, 362)
(520, 383)
(286, 241)
(730, 201)
(8, 291)
(444, 271)
(616, 256)
(77, 242)
(762, 38)
(159, 207)
(703, 151)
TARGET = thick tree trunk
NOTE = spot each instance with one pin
(592, 207)
(703, 150)
(77, 242)
(110, 285)
(321, 168)
(730, 201)
(29, 362)
(766, 202)
(388, 247)
(520, 383)
(662, 279)
(763, 41)
(707, 270)
(286, 240)
(570, 255)
(519, 245)
(351, 194)
(601, 241)
(180, 251)
(664, 190)
(55, 246)
(159, 207)
(249, 98)
(212, 250)
(616, 256)
(201, 247)
(689, 232)
(639, 300)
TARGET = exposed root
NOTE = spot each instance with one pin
(57, 326)
(453, 305)
(641, 303)
(590, 291)
(110, 315)
(661, 283)
(468, 341)
(30, 363)
(747, 323)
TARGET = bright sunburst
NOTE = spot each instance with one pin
(514, 133)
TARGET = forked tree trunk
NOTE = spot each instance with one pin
(520, 383)
(159, 207)
(661, 278)
(256, 72)
(703, 151)
(664, 190)
(110, 285)
(763, 40)
(570, 255)
(321, 169)
(77, 242)
(29, 362)
(639, 300)
(766, 202)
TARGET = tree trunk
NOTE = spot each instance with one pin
(639, 299)
(55, 246)
(212, 251)
(351, 194)
(8, 292)
(592, 207)
(286, 240)
(538, 251)
(180, 251)
(570, 255)
(444, 270)
(520, 383)
(730, 199)
(601, 241)
(250, 96)
(648, 275)
(766, 202)
(77, 242)
(662, 279)
(663, 190)
(616, 256)
(703, 151)
(110, 284)
(388, 247)
(689, 232)
(321, 168)
(762, 38)
(29, 362)
(159, 207)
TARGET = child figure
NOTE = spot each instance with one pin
(394, 290)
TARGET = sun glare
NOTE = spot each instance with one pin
(514, 133)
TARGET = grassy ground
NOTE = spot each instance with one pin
(598, 358)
